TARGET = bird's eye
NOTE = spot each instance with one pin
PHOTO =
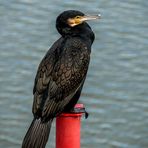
(77, 17)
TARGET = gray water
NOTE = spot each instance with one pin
(116, 90)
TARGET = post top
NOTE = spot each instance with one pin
(79, 106)
(78, 110)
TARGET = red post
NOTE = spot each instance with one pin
(68, 128)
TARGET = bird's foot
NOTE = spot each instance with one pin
(86, 114)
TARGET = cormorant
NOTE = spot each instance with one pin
(61, 75)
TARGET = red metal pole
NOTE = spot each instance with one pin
(68, 128)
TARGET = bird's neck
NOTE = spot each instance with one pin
(85, 33)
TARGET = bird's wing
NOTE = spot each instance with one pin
(43, 77)
(58, 80)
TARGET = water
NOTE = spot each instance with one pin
(115, 92)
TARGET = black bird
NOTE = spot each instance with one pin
(61, 75)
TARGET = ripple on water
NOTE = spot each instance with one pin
(115, 92)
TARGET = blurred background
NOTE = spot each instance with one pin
(116, 90)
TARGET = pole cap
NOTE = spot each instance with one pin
(78, 110)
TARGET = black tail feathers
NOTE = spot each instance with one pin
(37, 134)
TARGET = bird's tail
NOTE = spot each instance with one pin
(37, 134)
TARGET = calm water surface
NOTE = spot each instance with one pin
(116, 91)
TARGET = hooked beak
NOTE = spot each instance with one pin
(80, 19)
(90, 17)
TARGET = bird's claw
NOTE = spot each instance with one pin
(86, 114)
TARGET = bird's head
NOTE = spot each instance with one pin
(69, 20)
